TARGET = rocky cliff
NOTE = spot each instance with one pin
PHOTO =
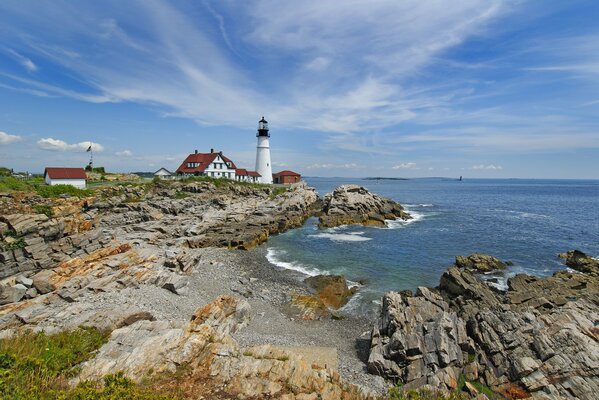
(538, 339)
(352, 204)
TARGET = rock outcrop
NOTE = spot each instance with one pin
(479, 262)
(210, 355)
(579, 261)
(352, 204)
(538, 339)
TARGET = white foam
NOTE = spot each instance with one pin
(272, 255)
(343, 237)
(400, 223)
(520, 214)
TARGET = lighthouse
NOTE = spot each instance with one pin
(263, 166)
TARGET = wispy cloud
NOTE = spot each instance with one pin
(124, 153)
(489, 167)
(211, 89)
(333, 166)
(24, 61)
(60, 145)
(408, 165)
(6, 138)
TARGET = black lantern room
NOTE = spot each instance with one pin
(263, 128)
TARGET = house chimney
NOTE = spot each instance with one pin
(212, 150)
(196, 151)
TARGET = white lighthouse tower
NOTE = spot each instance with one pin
(263, 166)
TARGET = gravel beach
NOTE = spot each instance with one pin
(267, 288)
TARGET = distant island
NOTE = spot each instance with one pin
(380, 178)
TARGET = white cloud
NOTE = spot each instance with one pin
(489, 167)
(24, 61)
(408, 165)
(60, 145)
(360, 51)
(124, 153)
(5, 138)
(332, 166)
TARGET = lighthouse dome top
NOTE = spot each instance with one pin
(263, 128)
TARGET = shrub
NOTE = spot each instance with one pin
(43, 209)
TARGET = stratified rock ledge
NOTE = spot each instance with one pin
(538, 339)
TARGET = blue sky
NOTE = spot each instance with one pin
(489, 88)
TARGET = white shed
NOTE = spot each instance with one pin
(65, 176)
(164, 173)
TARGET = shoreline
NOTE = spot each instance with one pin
(272, 322)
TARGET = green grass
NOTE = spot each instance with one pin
(34, 364)
(59, 190)
(43, 209)
(37, 185)
(10, 184)
(398, 393)
(180, 195)
(37, 366)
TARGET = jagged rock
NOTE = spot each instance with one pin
(24, 281)
(12, 294)
(352, 204)
(539, 338)
(479, 262)
(332, 289)
(579, 261)
(419, 341)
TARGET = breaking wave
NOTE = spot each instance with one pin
(274, 257)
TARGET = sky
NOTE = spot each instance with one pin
(478, 88)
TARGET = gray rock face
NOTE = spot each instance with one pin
(539, 338)
(11, 294)
(353, 204)
(419, 341)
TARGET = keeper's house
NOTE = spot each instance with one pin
(66, 176)
(215, 165)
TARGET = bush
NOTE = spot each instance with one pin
(43, 209)
(5, 171)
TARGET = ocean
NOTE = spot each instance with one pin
(527, 222)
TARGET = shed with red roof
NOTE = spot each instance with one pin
(286, 177)
(65, 176)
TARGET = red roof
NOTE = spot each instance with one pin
(253, 173)
(65, 173)
(241, 172)
(204, 159)
(286, 173)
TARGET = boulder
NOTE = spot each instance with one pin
(42, 281)
(332, 289)
(579, 261)
(308, 308)
(12, 294)
(479, 262)
(353, 204)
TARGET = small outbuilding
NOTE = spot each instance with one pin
(164, 173)
(286, 177)
(66, 176)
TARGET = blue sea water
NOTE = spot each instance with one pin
(527, 222)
